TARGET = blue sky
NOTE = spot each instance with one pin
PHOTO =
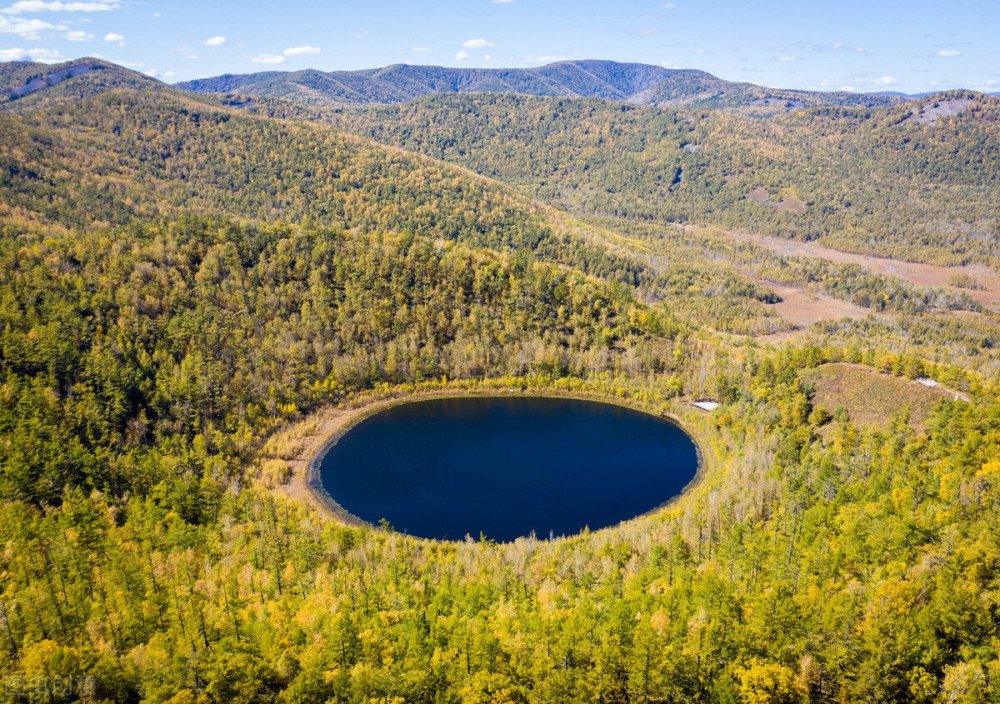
(863, 46)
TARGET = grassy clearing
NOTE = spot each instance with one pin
(869, 397)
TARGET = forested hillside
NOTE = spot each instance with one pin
(911, 182)
(133, 155)
(25, 85)
(126, 156)
(183, 284)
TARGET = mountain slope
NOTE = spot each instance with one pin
(127, 155)
(913, 181)
(697, 89)
(25, 85)
(632, 82)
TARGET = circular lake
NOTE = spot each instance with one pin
(504, 467)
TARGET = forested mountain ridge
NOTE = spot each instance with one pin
(911, 180)
(128, 155)
(25, 85)
(140, 154)
(914, 181)
(642, 84)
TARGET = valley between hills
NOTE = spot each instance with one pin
(203, 285)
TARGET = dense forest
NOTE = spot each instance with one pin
(182, 282)
(900, 181)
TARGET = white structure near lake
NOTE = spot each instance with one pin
(705, 405)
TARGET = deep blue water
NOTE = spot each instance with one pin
(504, 467)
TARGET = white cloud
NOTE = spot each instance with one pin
(503, 2)
(169, 74)
(26, 29)
(668, 5)
(302, 51)
(949, 53)
(157, 15)
(78, 35)
(477, 44)
(362, 34)
(886, 81)
(786, 58)
(268, 59)
(45, 56)
(215, 41)
(462, 56)
(549, 59)
(41, 6)
(115, 37)
(185, 51)
(419, 49)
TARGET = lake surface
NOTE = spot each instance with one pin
(505, 467)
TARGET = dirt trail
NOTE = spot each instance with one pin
(804, 307)
(920, 274)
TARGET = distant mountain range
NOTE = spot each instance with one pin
(642, 84)
(24, 85)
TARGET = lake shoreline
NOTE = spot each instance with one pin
(332, 423)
